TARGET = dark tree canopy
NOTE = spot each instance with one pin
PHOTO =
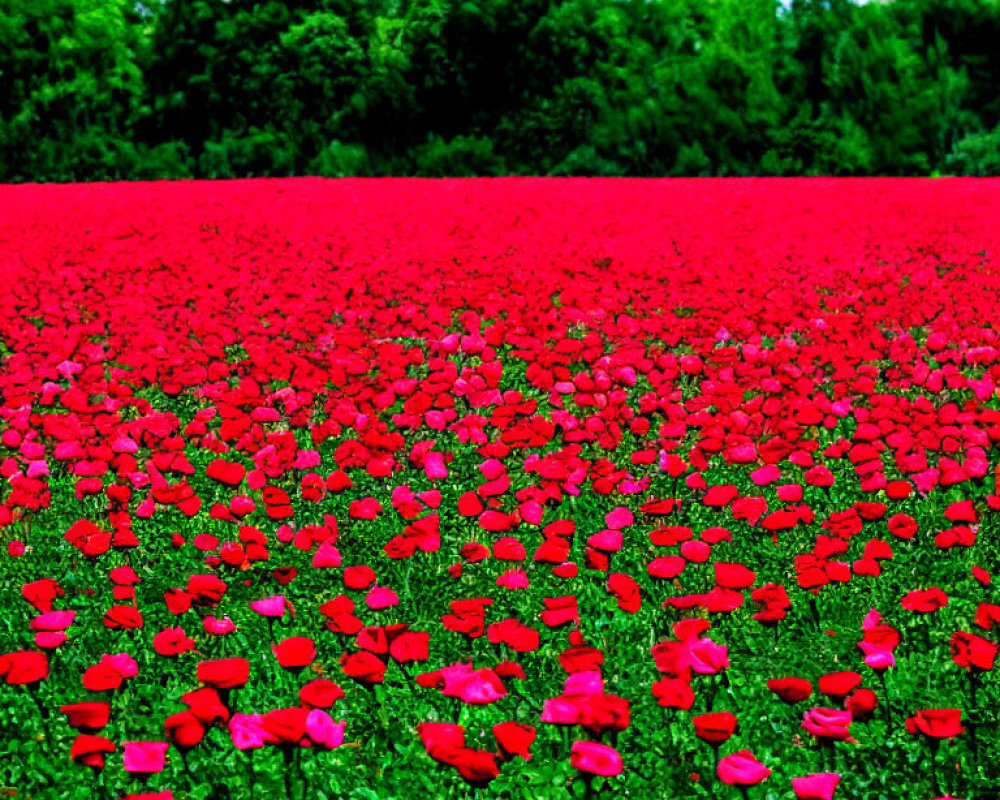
(112, 89)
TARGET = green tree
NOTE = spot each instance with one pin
(71, 89)
(217, 88)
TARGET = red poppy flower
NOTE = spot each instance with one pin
(674, 693)
(742, 769)
(364, 668)
(973, 652)
(91, 750)
(225, 673)
(296, 652)
(87, 717)
(320, 693)
(791, 690)
(839, 684)
(862, 703)
(936, 723)
(184, 730)
(924, 600)
(24, 667)
(172, 642)
(514, 739)
(714, 728)
(829, 723)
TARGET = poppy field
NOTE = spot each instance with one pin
(504, 488)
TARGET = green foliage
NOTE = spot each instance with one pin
(975, 154)
(463, 156)
(102, 89)
(70, 88)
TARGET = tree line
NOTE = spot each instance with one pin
(120, 89)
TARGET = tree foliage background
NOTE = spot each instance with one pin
(111, 89)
